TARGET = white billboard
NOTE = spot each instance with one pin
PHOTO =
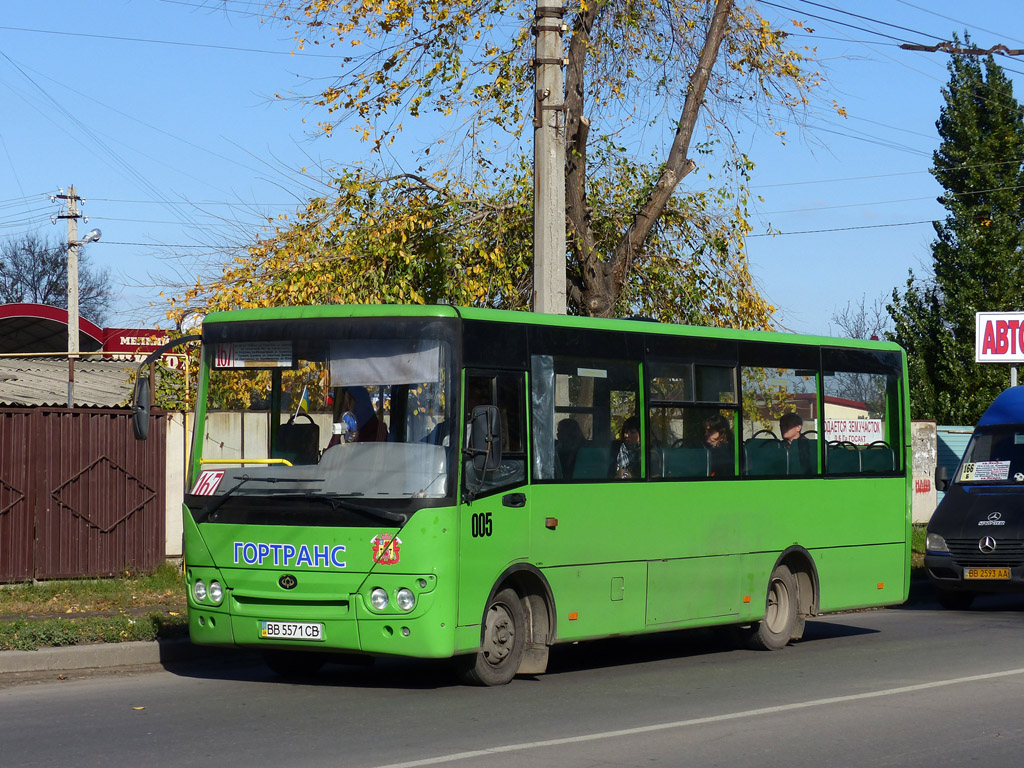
(999, 337)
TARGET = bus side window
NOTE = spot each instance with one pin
(780, 418)
(580, 406)
(693, 442)
(861, 407)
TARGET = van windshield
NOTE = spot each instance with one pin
(994, 455)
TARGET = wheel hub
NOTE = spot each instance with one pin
(500, 635)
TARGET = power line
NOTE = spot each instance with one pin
(834, 21)
(222, 7)
(865, 18)
(891, 202)
(961, 166)
(843, 229)
(152, 41)
(188, 202)
(950, 18)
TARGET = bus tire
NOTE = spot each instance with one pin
(502, 644)
(782, 619)
(293, 664)
(955, 601)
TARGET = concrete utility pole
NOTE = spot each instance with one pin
(549, 161)
(72, 216)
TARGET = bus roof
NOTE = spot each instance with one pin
(532, 318)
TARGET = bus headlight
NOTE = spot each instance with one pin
(405, 599)
(935, 543)
(379, 599)
(216, 592)
(199, 590)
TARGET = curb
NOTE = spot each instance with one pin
(100, 655)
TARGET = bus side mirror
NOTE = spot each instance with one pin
(941, 478)
(141, 397)
(485, 438)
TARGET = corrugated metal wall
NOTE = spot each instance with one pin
(79, 496)
(952, 442)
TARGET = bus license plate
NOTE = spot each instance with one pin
(291, 630)
(1002, 574)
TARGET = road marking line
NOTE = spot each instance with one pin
(700, 720)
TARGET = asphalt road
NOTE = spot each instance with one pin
(913, 686)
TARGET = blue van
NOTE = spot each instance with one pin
(975, 540)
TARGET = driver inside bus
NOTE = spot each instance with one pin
(368, 428)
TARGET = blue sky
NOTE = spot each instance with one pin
(161, 112)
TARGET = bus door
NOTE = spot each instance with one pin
(593, 530)
(494, 515)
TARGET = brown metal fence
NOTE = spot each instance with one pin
(79, 496)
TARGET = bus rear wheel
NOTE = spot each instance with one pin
(501, 648)
(782, 620)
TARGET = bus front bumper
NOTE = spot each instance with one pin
(262, 627)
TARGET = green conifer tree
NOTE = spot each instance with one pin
(978, 251)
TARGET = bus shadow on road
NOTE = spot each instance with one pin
(703, 644)
(430, 674)
(409, 674)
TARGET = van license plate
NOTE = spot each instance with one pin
(987, 573)
(291, 630)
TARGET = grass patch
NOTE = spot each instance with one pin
(31, 634)
(163, 587)
(126, 607)
(917, 537)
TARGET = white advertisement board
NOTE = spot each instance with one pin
(999, 337)
(856, 431)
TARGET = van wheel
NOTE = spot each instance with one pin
(782, 620)
(955, 601)
(504, 638)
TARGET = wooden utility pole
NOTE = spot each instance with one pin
(549, 161)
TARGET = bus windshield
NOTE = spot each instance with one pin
(994, 455)
(358, 411)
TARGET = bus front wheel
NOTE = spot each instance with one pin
(782, 620)
(501, 648)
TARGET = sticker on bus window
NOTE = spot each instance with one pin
(593, 373)
(253, 354)
(208, 481)
(985, 470)
(1018, 438)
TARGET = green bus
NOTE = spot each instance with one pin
(442, 481)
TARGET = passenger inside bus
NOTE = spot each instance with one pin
(718, 442)
(791, 427)
(568, 440)
(627, 450)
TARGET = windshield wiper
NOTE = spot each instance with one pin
(344, 503)
(217, 501)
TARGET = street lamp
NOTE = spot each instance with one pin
(91, 236)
